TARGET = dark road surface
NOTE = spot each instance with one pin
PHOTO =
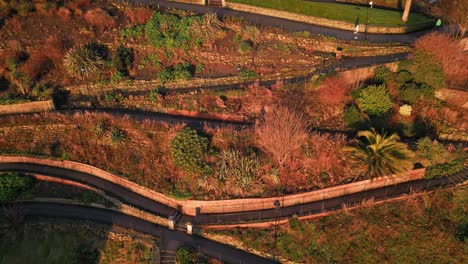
(149, 205)
(288, 25)
(175, 238)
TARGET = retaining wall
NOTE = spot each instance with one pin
(361, 74)
(326, 22)
(196, 2)
(189, 207)
(30, 107)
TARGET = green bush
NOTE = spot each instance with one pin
(411, 92)
(444, 169)
(247, 74)
(185, 255)
(374, 100)
(181, 71)
(42, 91)
(425, 69)
(133, 32)
(12, 185)
(352, 115)
(382, 74)
(169, 31)
(123, 59)
(188, 150)
(403, 77)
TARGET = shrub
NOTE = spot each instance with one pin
(139, 16)
(82, 61)
(207, 28)
(118, 135)
(12, 185)
(448, 52)
(42, 91)
(426, 69)
(37, 65)
(133, 32)
(403, 77)
(169, 31)
(247, 74)
(380, 154)
(99, 18)
(444, 169)
(117, 77)
(352, 116)
(181, 71)
(185, 255)
(16, 59)
(123, 59)
(405, 110)
(21, 82)
(188, 150)
(281, 134)
(64, 13)
(374, 100)
(383, 74)
(234, 165)
(333, 92)
(432, 151)
(411, 92)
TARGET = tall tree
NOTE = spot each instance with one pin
(456, 13)
(381, 154)
(406, 12)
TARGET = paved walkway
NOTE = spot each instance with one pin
(172, 239)
(284, 23)
(311, 208)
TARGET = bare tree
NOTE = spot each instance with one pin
(406, 12)
(281, 134)
(456, 13)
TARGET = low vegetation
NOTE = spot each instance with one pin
(408, 231)
(12, 185)
(70, 243)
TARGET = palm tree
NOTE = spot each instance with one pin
(406, 12)
(381, 154)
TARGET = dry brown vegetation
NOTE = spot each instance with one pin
(281, 134)
(99, 18)
(138, 16)
(449, 52)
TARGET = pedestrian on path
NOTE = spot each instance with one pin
(438, 23)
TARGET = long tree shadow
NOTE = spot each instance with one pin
(56, 240)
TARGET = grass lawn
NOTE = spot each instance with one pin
(349, 13)
(432, 228)
(56, 244)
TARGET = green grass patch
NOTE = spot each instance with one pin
(341, 12)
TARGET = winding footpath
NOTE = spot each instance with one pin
(176, 238)
(312, 208)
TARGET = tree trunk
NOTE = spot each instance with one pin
(404, 18)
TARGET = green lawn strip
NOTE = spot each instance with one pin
(341, 12)
(427, 229)
(52, 243)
